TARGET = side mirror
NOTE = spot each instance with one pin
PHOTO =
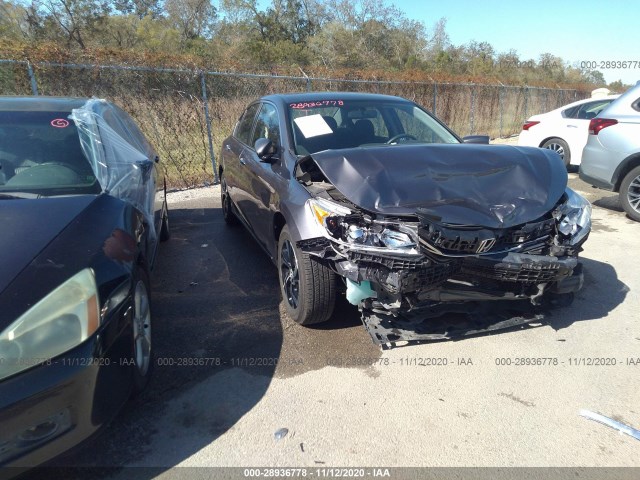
(479, 139)
(265, 149)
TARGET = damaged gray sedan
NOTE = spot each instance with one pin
(372, 195)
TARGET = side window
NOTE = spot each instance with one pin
(141, 141)
(267, 125)
(110, 116)
(591, 109)
(243, 130)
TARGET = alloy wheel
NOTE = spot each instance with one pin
(633, 194)
(556, 147)
(289, 274)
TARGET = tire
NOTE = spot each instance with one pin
(141, 331)
(225, 202)
(165, 231)
(630, 194)
(308, 288)
(561, 148)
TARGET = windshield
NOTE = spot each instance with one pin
(40, 153)
(334, 124)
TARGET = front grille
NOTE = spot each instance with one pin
(435, 237)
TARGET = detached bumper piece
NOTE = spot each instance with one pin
(430, 325)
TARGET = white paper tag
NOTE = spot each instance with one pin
(313, 126)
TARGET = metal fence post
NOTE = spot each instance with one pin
(32, 79)
(435, 94)
(473, 94)
(308, 84)
(526, 98)
(501, 107)
(216, 180)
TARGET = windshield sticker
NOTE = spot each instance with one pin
(313, 126)
(60, 123)
(319, 104)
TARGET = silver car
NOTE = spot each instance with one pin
(611, 158)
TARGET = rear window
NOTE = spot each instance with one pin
(40, 152)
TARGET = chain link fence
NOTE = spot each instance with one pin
(187, 113)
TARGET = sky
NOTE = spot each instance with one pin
(575, 30)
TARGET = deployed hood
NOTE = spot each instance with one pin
(494, 186)
(28, 226)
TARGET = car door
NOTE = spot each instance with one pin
(266, 178)
(234, 153)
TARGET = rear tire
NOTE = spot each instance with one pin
(141, 331)
(225, 202)
(561, 148)
(308, 288)
(630, 194)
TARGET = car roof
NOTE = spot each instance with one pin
(285, 98)
(40, 104)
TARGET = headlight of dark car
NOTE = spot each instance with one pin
(575, 217)
(60, 321)
(375, 236)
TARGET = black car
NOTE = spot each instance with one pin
(82, 208)
(376, 192)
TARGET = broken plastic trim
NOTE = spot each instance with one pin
(123, 170)
(387, 331)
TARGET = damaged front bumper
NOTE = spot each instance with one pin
(404, 297)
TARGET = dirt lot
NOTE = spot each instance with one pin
(347, 403)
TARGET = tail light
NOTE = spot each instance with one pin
(597, 124)
(528, 125)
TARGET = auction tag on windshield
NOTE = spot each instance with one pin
(313, 126)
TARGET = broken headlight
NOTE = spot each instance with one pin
(349, 230)
(328, 214)
(575, 217)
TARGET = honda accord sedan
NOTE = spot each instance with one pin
(82, 208)
(374, 196)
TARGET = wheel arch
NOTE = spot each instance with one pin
(625, 167)
(278, 224)
(545, 140)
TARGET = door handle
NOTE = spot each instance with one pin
(242, 161)
(227, 147)
(572, 126)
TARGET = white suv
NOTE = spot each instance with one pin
(611, 158)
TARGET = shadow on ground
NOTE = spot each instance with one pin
(220, 337)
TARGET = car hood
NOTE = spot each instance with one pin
(29, 225)
(495, 186)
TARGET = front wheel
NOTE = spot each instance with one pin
(561, 148)
(308, 288)
(630, 194)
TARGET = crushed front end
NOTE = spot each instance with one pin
(405, 272)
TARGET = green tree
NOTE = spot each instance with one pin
(192, 18)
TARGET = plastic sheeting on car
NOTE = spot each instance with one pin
(121, 166)
(494, 186)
